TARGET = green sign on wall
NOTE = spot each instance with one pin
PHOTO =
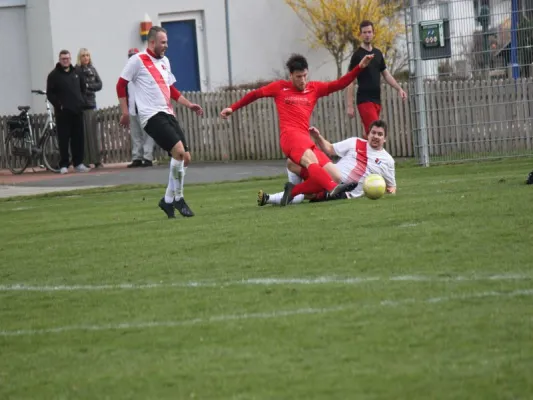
(432, 33)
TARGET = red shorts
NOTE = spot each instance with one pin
(295, 147)
(369, 113)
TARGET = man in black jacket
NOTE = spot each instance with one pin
(64, 89)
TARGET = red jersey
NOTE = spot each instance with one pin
(294, 106)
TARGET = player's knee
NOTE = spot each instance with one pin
(308, 158)
(333, 172)
(177, 155)
(178, 151)
(186, 158)
(294, 168)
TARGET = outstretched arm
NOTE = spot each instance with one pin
(176, 95)
(392, 82)
(390, 179)
(325, 145)
(330, 87)
(389, 174)
(349, 100)
(269, 90)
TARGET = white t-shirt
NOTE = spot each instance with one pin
(151, 79)
(359, 159)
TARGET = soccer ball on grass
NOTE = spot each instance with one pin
(374, 186)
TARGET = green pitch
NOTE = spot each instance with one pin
(424, 295)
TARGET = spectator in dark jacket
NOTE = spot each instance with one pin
(65, 89)
(93, 146)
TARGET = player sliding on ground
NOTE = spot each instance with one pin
(295, 100)
(359, 158)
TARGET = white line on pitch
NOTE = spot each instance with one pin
(260, 282)
(266, 315)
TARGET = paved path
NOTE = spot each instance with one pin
(42, 181)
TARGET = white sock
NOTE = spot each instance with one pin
(298, 199)
(179, 189)
(177, 172)
(169, 194)
(276, 198)
(293, 178)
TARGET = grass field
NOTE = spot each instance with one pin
(424, 295)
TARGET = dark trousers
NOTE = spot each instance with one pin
(91, 140)
(70, 132)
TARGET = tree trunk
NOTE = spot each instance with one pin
(338, 61)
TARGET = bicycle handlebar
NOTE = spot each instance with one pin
(38, 92)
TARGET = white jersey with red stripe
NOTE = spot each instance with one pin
(151, 79)
(359, 159)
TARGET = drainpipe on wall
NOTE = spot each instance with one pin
(228, 44)
(514, 40)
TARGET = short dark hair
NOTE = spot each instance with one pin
(379, 124)
(364, 24)
(154, 30)
(62, 52)
(296, 62)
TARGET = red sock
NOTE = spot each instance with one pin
(307, 187)
(304, 174)
(321, 177)
(320, 196)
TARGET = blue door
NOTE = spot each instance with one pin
(183, 54)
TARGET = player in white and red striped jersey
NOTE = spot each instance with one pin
(150, 74)
(358, 159)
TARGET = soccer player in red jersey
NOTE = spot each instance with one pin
(295, 100)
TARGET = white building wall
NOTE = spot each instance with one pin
(500, 10)
(40, 48)
(15, 65)
(108, 35)
(263, 35)
(462, 27)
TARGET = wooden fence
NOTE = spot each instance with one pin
(464, 118)
(478, 119)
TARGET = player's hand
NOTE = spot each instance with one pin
(402, 94)
(366, 60)
(125, 120)
(314, 132)
(350, 111)
(197, 109)
(391, 190)
(226, 113)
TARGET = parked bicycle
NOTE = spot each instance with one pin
(23, 148)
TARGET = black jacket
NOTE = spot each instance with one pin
(66, 89)
(94, 84)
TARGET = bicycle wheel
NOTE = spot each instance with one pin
(18, 153)
(51, 155)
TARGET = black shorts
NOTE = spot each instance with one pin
(166, 131)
